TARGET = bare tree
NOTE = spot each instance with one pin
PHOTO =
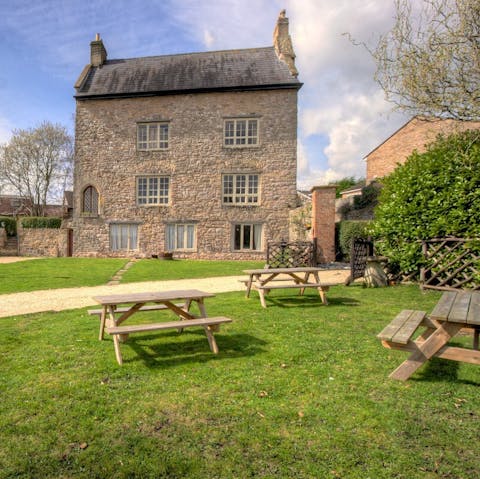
(429, 62)
(37, 164)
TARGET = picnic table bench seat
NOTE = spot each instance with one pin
(402, 327)
(147, 307)
(209, 324)
(269, 286)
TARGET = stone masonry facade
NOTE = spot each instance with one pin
(106, 157)
(199, 103)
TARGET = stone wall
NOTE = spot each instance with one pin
(107, 158)
(50, 242)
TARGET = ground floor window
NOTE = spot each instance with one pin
(180, 236)
(123, 236)
(247, 237)
(90, 201)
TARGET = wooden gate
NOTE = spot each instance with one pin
(361, 250)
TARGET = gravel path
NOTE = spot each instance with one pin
(71, 298)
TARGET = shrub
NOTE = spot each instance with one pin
(348, 231)
(368, 198)
(41, 222)
(433, 194)
(10, 225)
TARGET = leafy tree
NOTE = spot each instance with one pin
(429, 62)
(344, 184)
(433, 194)
(37, 164)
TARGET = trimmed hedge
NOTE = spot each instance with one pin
(435, 194)
(10, 225)
(41, 222)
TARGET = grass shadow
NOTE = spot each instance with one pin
(174, 353)
(439, 370)
(307, 301)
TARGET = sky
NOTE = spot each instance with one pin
(342, 113)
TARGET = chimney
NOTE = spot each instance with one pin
(283, 43)
(98, 54)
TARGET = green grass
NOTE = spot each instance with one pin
(298, 390)
(157, 270)
(50, 273)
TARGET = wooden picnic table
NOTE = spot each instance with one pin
(454, 312)
(117, 308)
(264, 280)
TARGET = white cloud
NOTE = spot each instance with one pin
(208, 39)
(339, 102)
(340, 99)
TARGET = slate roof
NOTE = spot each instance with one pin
(247, 69)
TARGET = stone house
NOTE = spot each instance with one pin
(413, 135)
(193, 154)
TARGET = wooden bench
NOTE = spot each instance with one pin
(207, 323)
(403, 326)
(265, 289)
(324, 286)
(148, 307)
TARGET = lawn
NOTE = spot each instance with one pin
(298, 390)
(51, 273)
(157, 270)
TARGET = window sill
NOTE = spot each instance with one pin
(156, 150)
(161, 205)
(240, 147)
(241, 205)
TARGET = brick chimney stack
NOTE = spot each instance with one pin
(283, 43)
(98, 54)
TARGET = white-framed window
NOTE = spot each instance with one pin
(181, 236)
(153, 190)
(241, 132)
(90, 201)
(247, 236)
(240, 189)
(152, 136)
(123, 236)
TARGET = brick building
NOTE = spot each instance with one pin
(193, 154)
(414, 135)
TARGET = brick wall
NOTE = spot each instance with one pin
(414, 135)
(106, 157)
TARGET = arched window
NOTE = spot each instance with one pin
(90, 200)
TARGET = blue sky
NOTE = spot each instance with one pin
(45, 44)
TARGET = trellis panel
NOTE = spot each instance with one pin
(290, 255)
(451, 263)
